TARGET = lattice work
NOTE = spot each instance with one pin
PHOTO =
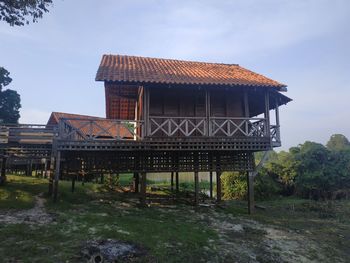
(159, 161)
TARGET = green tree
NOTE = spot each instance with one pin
(10, 101)
(338, 142)
(21, 12)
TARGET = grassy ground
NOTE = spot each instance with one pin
(288, 230)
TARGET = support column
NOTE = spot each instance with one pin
(250, 184)
(57, 175)
(136, 182)
(73, 183)
(196, 188)
(3, 171)
(143, 189)
(45, 169)
(218, 186)
(177, 182)
(52, 167)
(211, 184)
(172, 181)
(267, 113)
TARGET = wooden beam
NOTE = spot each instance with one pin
(246, 109)
(51, 174)
(211, 184)
(136, 181)
(3, 170)
(73, 183)
(177, 182)
(172, 181)
(218, 186)
(143, 189)
(196, 188)
(57, 175)
(250, 184)
(267, 113)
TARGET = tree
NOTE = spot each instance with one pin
(4, 78)
(338, 142)
(10, 101)
(20, 12)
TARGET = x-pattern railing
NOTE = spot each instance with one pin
(223, 126)
(98, 129)
(174, 126)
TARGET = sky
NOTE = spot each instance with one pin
(302, 43)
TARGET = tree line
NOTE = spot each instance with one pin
(310, 170)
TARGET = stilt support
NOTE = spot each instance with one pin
(3, 171)
(172, 182)
(51, 174)
(250, 183)
(211, 184)
(196, 189)
(218, 186)
(143, 189)
(57, 176)
(136, 182)
(177, 182)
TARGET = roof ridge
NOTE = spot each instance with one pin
(172, 59)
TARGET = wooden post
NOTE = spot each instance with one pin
(218, 186)
(211, 184)
(143, 189)
(45, 169)
(102, 179)
(52, 166)
(136, 182)
(246, 110)
(267, 113)
(177, 182)
(207, 111)
(73, 183)
(172, 181)
(250, 184)
(3, 171)
(57, 175)
(196, 188)
(278, 134)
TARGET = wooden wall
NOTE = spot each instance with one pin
(121, 101)
(190, 102)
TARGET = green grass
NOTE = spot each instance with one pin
(90, 213)
(173, 234)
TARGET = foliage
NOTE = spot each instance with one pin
(111, 182)
(20, 12)
(234, 185)
(4, 78)
(10, 101)
(338, 142)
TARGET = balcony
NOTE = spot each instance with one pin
(174, 129)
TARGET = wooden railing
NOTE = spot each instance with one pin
(177, 126)
(27, 133)
(275, 135)
(159, 126)
(99, 129)
(229, 127)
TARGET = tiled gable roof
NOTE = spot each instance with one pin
(169, 71)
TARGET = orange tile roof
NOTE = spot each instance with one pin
(169, 71)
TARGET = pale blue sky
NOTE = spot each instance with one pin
(305, 44)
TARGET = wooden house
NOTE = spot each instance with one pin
(165, 115)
